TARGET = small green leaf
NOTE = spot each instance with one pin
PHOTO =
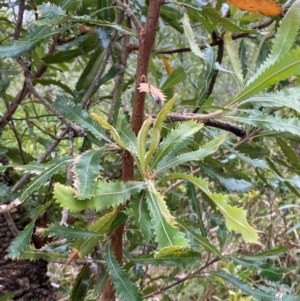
(207, 149)
(86, 246)
(87, 169)
(140, 214)
(44, 176)
(21, 242)
(69, 232)
(141, 144)
(74, 113)
(171, 256)
(202, 240)
(81, 285)
(158, 124)
(111, 129)
(125, 288)
(177, 76)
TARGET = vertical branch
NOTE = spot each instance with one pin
(146, 42)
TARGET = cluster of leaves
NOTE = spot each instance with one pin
(174, 162)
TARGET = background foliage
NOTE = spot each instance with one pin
(196, 199)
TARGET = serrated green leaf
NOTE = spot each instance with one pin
(69, 232)
(79, 116)
(292, 157)
(190, 36)
(207, 149)
(140, 215)
(269, 122)
(268, 254)
(114, 193)
(245, 288)
(171, 256)
(107, 194)
(202, 240)
(81, 285)
(21, 242)
(284, 39)
(177, 76)
(288, 97)
(44, 176)
(288, 65)
(47, 82)
(32, 254)
(87, 169)
(125, 288)
(166, 233)
(235, 218)
(234, 58)
(102, 225)
(176, 137)
(31, 40)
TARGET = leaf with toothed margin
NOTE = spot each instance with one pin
(74, 113)
(86, 169)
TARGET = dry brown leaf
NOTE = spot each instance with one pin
(157, 94)
(265, 7)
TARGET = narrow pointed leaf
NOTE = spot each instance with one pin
(158, 124)
(166, 233)
(74, 113)
(85, 246)
(178, 135)
(125, 288)
(44, 176)
(171, 256)
(202, 240)
(81, 285)
(109, 127)
(288, 65)
(206, 150)
(269, 122)
(21, 242)
(234, 58)
(235, 218)
(87, 169)
(177, 76)
(141, 143)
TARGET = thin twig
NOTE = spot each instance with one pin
(19, 22)
(28, 78)
(131, 15)
(189, 276)
(91, 90)
(119, 79)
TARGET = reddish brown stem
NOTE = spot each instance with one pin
(146, 42)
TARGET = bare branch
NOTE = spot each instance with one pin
(19, 20)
